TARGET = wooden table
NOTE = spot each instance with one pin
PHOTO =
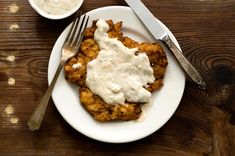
(203, 125)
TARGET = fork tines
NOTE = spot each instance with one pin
(77, 30)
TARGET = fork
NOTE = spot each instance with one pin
(70, 48)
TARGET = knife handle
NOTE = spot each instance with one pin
(185, 64)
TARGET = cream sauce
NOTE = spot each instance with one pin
(56, 7)
(77, 65)
(118, 73)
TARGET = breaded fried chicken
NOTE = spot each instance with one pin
(89, 50)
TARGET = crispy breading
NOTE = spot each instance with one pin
(89, 50)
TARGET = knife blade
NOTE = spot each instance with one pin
(158, 32)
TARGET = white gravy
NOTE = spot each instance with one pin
(56, 7)
(118, 73)
(77, 65)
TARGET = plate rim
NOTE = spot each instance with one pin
(106, 140)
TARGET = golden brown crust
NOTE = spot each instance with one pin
(105, 112)
(89, 49)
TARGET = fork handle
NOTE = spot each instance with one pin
(36, 118)
(185, 64)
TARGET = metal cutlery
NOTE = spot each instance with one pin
(70, 48)
(149, 20)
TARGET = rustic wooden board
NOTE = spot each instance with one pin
(203, 125)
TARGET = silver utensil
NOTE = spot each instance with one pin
(70, 48)
(156, 30)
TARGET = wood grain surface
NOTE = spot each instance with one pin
(203, 125)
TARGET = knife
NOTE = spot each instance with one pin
(149, 20)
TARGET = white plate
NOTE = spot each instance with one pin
(165, 101)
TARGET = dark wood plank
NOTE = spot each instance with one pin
(203, 125)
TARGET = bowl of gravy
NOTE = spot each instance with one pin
(55, 9)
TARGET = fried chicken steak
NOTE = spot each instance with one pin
(89, 49)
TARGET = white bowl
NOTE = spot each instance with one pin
(51, 16)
